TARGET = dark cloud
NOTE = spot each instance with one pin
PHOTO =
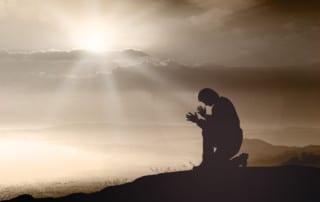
(272, 33)
(293, 5)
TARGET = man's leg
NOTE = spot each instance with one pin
(224, 153)
(228, 148)
(207, 149)
(221, 157)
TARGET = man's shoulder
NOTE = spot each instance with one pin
(225, 103)
(224, 100)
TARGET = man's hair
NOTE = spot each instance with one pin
(207, 93)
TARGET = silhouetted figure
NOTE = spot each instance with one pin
(220, 130)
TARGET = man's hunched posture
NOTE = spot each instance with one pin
(220, 130)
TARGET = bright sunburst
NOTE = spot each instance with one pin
(95, 42)
(94, 37)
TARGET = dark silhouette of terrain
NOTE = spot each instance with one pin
(288, 183)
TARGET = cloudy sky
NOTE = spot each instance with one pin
(76, 75)
(237, 32)
(265, 49)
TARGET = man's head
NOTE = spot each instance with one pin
(208, 96)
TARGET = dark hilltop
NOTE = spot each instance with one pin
(286, 183)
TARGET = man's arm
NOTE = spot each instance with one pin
(195, 119)
(201, 123)
(203, 112)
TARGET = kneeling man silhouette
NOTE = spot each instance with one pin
(221, 132)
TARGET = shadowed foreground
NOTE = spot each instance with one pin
(237, 184)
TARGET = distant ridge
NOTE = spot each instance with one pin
(266, 154)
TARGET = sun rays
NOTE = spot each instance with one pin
(88, 83)
(84, 90)
(94, 93)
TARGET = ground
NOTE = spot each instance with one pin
(288, 183)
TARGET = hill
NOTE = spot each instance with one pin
(266, 154)
(261, 184)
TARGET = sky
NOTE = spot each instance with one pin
(114, 79)
(237, 32)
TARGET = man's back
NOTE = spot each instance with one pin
(224, 114)
(223, 127)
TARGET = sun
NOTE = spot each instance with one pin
(93, 37)
(95, 42)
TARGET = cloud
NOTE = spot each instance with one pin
(132, 70)
(292, 5)
(73, 55)
(48, 70)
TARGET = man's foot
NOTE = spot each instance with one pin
(241, 160)
(244, 157)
